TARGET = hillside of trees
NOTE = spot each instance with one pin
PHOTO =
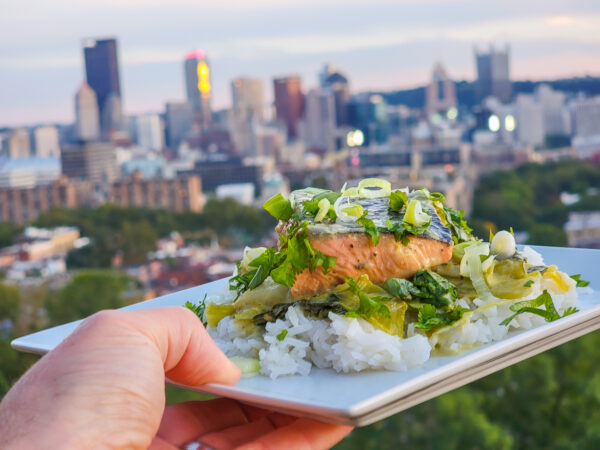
(551, 401)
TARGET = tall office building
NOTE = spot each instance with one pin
(148, 131)
(337, 82)
(248, 97)
(440, 93)
(102, 74)
(289, 103)
(197, 85)
(319, 120)
(179, 118)
(557, 121)
(529, 116)
(46, 142)
(368, 113)
(92, 161)
(19, 144)
(87, 122)
(493, 74)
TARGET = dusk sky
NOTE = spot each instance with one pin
(380, 44)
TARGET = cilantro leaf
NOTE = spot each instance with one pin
(198, 309)
(370, 228)
(430, 318)
(397, 200)
(580, 282)
(368, 305)
(279, 207)
(461, 231)
(533, 306)
(401, 288)
(528, 283)
(434, 288)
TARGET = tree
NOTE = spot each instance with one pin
(136, 240)
(88, 292)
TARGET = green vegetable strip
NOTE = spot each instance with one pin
(550, 313)
(279, 207)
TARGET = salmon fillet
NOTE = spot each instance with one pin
(356, 256)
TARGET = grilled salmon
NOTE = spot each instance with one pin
(357, 256)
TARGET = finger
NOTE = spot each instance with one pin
(189, 354)
(161, 444)
(301, 434)
(233, 437)
(184, 422)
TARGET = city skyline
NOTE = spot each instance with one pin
(398, 47)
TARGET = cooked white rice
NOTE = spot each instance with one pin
(353, 345)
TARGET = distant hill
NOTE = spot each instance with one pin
(465, 90)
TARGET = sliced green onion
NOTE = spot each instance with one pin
(354, 210)
(250, 254)
(324, 205)
(473, 259)
(383, 188)
(279, 207)
(248, 366)
(350, 192)
(415, 214)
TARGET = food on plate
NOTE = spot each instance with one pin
(371, 278)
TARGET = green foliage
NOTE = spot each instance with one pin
(134, 231)
(9, 302)
(88, 292)
(528, 199)
(8, 232)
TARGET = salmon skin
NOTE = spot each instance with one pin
(357, 256)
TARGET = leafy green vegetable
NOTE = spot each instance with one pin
(369, 305)
(434, 288)
(580, 282)
(533, 306)
(430, 318)
(198, 309)
(461, 231)
(279, 207)
(370, 228)
(281, 336)
(397, 200)
(401, 288)
(402, 230)
(312, 206)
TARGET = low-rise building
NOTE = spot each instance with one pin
(183, 193)
(583, 229)
(20, 205)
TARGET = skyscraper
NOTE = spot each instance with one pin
(493, 75)
(46, 142)
(179, 118)
(248, 96)
(441, 92)
(289, 102)
(87, 123)
(197, 85)
(337, 82)
(102, 73)
(319, 120)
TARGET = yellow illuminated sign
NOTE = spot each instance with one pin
(203, 79)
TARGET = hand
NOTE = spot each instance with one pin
(103, 387)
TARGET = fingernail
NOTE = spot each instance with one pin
(197, 445)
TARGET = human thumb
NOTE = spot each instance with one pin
(189, 355)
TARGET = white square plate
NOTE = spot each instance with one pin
(363, 398)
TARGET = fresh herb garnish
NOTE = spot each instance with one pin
(401, 231)
(461, 231)
(279, 207)
(430, 318)
(312, 206)
(198, 309)
(398, 199)
(528, 283)
(580, 282)
(281, 336)
(370, 228)
(533, 306)
(368, 305)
